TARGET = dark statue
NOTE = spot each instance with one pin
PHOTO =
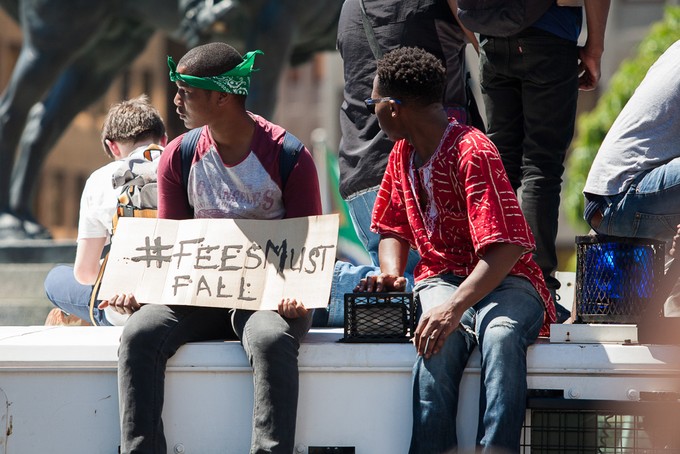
(73, 49)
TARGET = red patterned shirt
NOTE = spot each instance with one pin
(469, 205)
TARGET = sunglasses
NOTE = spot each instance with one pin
(371, 102)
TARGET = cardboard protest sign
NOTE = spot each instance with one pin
(236, 263)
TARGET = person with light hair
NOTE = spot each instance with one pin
(132, 128)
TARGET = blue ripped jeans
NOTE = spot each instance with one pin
(506, 322)
(346, 275)
(649, 208)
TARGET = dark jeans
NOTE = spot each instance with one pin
(155, 332)
(530, 87)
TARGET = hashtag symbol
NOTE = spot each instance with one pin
(153, 253)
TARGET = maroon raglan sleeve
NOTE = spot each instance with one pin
(301, 196)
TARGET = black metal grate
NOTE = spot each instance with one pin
(379, 317)
(631, 429)
(616, 277)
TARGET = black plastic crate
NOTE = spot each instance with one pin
(616, 277)
(379, 317)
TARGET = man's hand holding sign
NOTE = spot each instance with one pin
(241, 264)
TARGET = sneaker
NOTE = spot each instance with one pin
(57, 317)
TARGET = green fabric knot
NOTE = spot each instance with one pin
(235, 81)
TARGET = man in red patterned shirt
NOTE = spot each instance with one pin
(445, 193)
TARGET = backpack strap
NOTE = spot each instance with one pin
(147, 153)
(289, 156)
(95, 290)
(187, 149)
(125, 207)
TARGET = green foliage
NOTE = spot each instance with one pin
(593, 126)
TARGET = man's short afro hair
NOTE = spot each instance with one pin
(411, 74)
(210, 59)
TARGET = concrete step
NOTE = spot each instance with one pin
(23, 280)
(24, 313)
(22, 295)
(37, 251)
(23, 267)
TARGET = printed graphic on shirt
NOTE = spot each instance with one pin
(243, 191)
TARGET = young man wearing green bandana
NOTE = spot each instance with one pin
(234, 174)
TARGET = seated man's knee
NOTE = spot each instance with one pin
(501, 330)
(268, 333)
(140, 334)
(271, 343)
(55, 280)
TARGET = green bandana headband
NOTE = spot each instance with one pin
(235, 81)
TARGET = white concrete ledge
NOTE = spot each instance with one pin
(59, 383)
(47, 347)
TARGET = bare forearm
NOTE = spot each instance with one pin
(590, 55)
(393, 255)
(453, 5)
(596, 22)
(86, 266)
(492, 268)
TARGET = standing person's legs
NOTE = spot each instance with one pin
(436, 381)
(501, 90)
(508, 321)
(346, 275)
(272, 343)
(70, 296)
(151, 336)
(549, 97)
(530, 86)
